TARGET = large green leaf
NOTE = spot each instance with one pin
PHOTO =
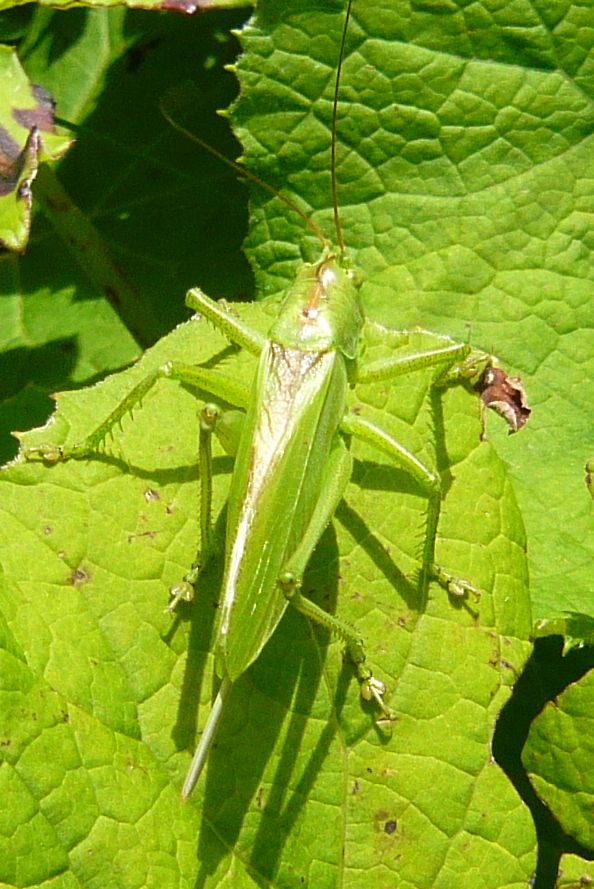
(301, 775)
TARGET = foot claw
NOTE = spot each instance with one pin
(49, 454)
(462, 589)
(456, 587)
(180, 592)
(373, 689)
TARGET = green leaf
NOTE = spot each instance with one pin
(576, 629)
(189, 7)
(301, 775)
(558, 758)
(574, 873)
(28, 137)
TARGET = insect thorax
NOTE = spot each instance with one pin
(322, 310)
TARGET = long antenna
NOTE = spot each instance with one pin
(337, 225)
(243, 171)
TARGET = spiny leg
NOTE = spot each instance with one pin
(229, 325)
(336, 477)
(456, 362)
(226, 425)
(195, 377)
(429, 482)
(191, 375)
(371, 688)
(184, 591)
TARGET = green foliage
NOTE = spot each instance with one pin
(558, 759)
(130, 191)
(464, 137)
(27, 116)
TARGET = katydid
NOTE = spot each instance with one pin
(292, 461)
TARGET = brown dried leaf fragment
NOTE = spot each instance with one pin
(505, 395)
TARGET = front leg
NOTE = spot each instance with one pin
(226, 425)
(455, 362)
(184, 591)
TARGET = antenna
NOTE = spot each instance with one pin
(243, 171)
(337, 225)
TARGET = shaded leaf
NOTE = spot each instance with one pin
(558, 758)
(59, 324)
(188, 7)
